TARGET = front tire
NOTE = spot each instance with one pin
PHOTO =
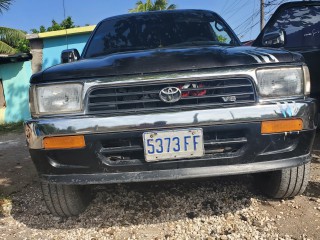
(285, 183)
(66, 200)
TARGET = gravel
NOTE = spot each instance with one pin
(222, 208)
(216, 208)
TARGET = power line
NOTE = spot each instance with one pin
(228, 7)
(224, 6)
(250, 25)
(248, 20)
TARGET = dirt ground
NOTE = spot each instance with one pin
(16, 168)
(297, 218)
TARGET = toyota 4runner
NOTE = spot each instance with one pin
(169, 95)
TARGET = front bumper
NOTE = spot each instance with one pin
(174, 174)
(237, 144)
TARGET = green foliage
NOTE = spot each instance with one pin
(12, 41)
(42, 28)
(23, 45)
(6, 49)
(222, 39)
(11, 127)
(149, 5)
(65, 24)
(54, 27)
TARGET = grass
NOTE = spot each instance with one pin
(11, 127)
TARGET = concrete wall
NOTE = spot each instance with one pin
(52, 47)
(15, 78)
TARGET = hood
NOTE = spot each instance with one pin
(164, 60)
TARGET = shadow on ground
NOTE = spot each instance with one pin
(16, 167)
(143, 203)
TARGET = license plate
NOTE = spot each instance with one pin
(173, 144)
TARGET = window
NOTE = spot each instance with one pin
(221, 33)
(2, 99)
(155, 30)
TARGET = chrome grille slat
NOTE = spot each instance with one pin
(123, 102)
(154, 100)
(145, 97)
(173, 108)
(125, 94)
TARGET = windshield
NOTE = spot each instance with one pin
(150, 31)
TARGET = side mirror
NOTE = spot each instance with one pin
(70, 55)
(274, 39)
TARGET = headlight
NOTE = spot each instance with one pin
(58, 98)
(307, 83)
(281, 82)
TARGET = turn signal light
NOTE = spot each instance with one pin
(279, 126)
(65, 142)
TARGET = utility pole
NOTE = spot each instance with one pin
(261, 14)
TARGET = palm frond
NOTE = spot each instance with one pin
(149, 5)
(11, 36)
(4, 5)
(6, 49)
(137, 7)
(172, 7)
(160, 4)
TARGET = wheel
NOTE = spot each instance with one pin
(66, 200)
(284, 183)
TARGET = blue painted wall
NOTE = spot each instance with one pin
(15, 78)
(52, 47)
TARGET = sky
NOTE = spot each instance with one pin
(241, 15)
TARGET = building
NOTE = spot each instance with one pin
(16, 70)
(46, 47)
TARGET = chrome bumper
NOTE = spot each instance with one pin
(174, 174)
(37, 129)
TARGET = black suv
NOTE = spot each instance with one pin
(169, 95)
(295, 26)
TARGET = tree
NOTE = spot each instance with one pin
(65, 24)
(4, 5)
(149, 5)
(11, 40)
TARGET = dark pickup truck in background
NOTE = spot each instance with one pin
(169, 95)
(295, 26)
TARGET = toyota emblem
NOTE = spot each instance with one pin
(170, 94)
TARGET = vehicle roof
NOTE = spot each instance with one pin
(281, 8)
(167, 12)
(295, 4)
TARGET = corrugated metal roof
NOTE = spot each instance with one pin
(19, 57)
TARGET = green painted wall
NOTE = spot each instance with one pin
(15, 78)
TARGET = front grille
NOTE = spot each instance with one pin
(216, 145)
(144, 97)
